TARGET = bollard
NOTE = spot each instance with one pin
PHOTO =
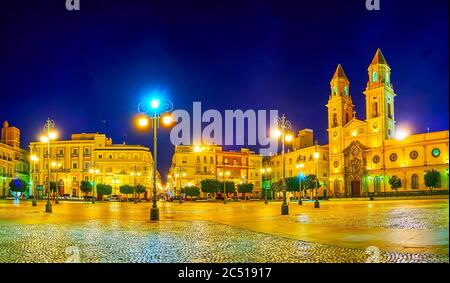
(300, 202)
(316, 204)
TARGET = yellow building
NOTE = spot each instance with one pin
(13, 159)
(191, 164)
(365, 154)
(306, 159)
(94, 158)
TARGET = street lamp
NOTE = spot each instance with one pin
(316, 158)
(94, 172)
(266, 171)
(227, 173)
(283, 127)
(153, 111)
(34, 160)
(300, 166)
(49, 134)
(57, 166)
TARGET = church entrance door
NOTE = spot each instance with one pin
(356, 188)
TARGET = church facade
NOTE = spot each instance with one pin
(365, 154)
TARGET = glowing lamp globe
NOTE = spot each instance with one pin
(154, 104)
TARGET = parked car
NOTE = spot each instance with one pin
(112, 198)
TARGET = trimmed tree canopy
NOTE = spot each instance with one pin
(245, 188)
(126, 189)
(18, 185)
(104, 190)
(210, 185)
(432, 178)
(85, 187)
(192, 191)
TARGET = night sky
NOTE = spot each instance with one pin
(88, 70)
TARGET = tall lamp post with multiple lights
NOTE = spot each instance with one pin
(283, 128)
(223, 174)
(316, 158)
(153, 111)
(94, 173)
(34, 160)
(300, 167)
(49, 134)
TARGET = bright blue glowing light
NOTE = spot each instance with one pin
(154, 104)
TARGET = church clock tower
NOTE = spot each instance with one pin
(380, 100)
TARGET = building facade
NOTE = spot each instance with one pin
(192, 164)
(71, 162)
(14, 162)
(365, 154)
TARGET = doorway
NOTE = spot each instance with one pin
(356, 188)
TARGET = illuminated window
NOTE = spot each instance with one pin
(374, 77)
(346, 91)
(436, 152)
(335, 90)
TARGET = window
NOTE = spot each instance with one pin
(74, 166)
(87, 165)
(61, 152)
(335, 90)
(100, 156)
(436, 152)
(75, 151)
(414, 181)
(346, 91)
(74, 179)
(198, 159)
(374, 110)
(334, 120)
(86, 178)
(205, 159)
(374, 77)
(389, 111)
(211, 159)
(387, 78)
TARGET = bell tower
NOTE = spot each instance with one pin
(380, 99)
(340, 109)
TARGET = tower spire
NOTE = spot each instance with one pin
(379, 59)
(339, 73)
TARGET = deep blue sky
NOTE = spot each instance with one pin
(82, 68)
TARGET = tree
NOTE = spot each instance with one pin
(191, 191)
(211, 186)
(292, 184)
(18, 186)
(245, 188)
(139, 189)
(395, 183)
(85, 187)
(104, 190)
(311, 183)
(229, 187)
(432, 179)
(126, 190)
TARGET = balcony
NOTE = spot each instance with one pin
(74, 154)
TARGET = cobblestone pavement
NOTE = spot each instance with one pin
(401, 231)
(170, 241)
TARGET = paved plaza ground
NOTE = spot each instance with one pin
(340, 231)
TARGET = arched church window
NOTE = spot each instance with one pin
(387, 78)
(374, 110)
(335, 90)
(374, 77)
(346, 91)
(414, 182)
(389, 111)
(334, 120)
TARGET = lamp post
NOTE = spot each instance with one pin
(115, 181)
(227, 173)
(153, 111)
(34, 160)
(283, 128)
(316, 158)
(94, 173)
(265, 172)
(300, 166)
(49, 134)
(57, 166)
